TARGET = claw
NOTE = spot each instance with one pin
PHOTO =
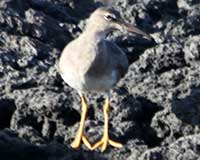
(104, 142)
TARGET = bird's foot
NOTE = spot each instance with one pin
(104, 142)
(77, 142)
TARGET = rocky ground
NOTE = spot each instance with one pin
(155, 109)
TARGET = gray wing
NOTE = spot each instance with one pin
(110, 57)
(119, 58)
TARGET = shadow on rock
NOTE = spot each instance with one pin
(12, 147)
(141, 118)
(188, 108)
(7, 108)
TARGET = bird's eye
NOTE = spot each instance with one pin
(110, 18)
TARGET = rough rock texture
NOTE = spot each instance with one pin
(155, 109)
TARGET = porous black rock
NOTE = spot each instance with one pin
(155, 108)
(191, 50)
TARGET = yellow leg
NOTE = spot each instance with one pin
(80, 134)
(105, 141)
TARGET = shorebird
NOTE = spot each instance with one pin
(91, 63)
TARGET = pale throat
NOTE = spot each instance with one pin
(95, 33)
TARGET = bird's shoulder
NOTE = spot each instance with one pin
(116, 55)
(116, 52)
(113, 47)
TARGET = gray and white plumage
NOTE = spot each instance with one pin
(92, 63)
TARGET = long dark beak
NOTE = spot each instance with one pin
(133, 29)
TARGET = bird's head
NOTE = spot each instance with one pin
(108, 19)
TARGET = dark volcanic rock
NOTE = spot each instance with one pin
(185, 148)
(191, 50)
(7, 107)
(155, 108)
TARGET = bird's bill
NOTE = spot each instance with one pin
(133, 29)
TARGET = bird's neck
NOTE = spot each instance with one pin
(94, 33)
(94, 36)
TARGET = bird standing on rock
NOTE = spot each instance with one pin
(91, 63)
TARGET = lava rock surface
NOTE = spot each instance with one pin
(155, 108)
